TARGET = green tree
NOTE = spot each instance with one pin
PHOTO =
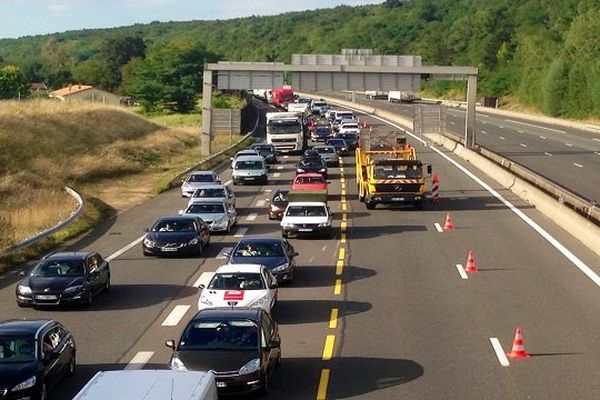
(114, 54)
(12, 82)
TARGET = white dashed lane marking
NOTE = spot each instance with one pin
(543, 137)
(276, 175)
(535, 126)
(501, 138)
(139, 360)
(240, 232)
(548, 154)
(124, 249)
(499, 352)
(224, 250)
(176, 315)
(568, 145)
(252, 217)
(461, 272)
(522, 145)
(578, 165)
(260, 203)
(438, 227)
(280, 167)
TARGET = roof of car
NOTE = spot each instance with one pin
(324, 146)
(212, 186)
(309, 175)
(249, 158)
(208, 200)
(202, 172)
(307, 203)
(21, 327)
(229, 312)
(229, 268)
(68, 255)
(181, 217)
(260, 239)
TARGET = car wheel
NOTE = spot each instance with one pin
(370, 204)
(72, 366)
(89, 299)
(284, 235)
(200, 250)
(107, 284)
(228, 231)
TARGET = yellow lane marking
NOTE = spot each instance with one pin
(339, 268)
(342, 253)
(337, 290)
(343, 192)
(343, 224)
(343, 186)
(328, 349)
(344, 217)
(343, 238)
(343, 199)
(323, 383)
(334, 318)
(344, 207)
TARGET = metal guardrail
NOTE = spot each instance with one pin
(44, 234)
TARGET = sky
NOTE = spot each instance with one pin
(32, 17)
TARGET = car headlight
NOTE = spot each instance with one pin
(26, 384)
(250, 367)
(300, 170)
(260, 301)
(287, 225)
(322, 170)
(23, 289)
(74, 289)
(149, 242)
(205, 301)
(193, 242)
(324, 224)
(177, 365)
(221, 222)
(281, 267)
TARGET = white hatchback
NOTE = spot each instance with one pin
(240, 285)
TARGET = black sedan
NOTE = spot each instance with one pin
(277, 254)
(267, 151)
(241, 346)
(63, 278)
(321, 133)
(278, 204)
(316, 165)
(350, 138)
(341, 147)
(178, 235)
(34, 357)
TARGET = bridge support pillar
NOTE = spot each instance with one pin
(206, 135)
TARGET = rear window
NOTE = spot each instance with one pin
(201, 178)
(326, 150)
(220, 335)
(306, 211)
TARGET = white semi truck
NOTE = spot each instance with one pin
(285, 131)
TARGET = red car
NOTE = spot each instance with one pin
(309, 181)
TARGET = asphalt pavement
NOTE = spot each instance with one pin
(379, 311)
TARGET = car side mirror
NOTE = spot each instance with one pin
(201, 286)
(146, 229)
(295, 254)
(429, 169)
(181, 212)
(275, 344)
(183, 180)
(226, 254)
(218, 179)
(21, 273)
(274, 286)
(52, 355)
(231, 158)
(170, 344)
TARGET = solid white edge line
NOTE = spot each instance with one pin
(522, 145)
(240, 232)
(535, 126)
(548, 154)
(139, 360)
(461, 271)
(438, 227)
(543, 137)
(124, 249)
(578, 165)
(534, 225)
(568, 145)
(176, 315)
(499, 352)
(501, 137)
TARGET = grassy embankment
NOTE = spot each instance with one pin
(114, 157)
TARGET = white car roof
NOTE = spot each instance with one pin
(306, 203)
(249, 158)
(232, 268)
(213, 186)
(202, 172)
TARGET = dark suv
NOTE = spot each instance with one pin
(62, 278)
(240, 345)
(34, 357)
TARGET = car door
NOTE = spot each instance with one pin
(54, 356)
(203, 231)
(270, 283)
(230, 195)
(270, 334)
(94, 273)
(232, 213)
(290, 252)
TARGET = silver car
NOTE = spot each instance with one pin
(197, 179)
(328, 154)
(218, 215)
(215, 193)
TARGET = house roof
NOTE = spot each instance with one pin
(69, 90)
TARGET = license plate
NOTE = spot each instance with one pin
(46, 297)
(304, 230)
(221, 384)
(398, 198)
(249, 178)
(168, 249)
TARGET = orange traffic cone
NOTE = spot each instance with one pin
(518, 346)
(470, 266)
(448, 225)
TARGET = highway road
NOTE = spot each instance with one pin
(380, 311)
(567, 156)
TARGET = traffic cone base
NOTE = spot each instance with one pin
(448, 225)
(471, 266)
(518, 347)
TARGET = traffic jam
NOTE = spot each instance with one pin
(234, 336)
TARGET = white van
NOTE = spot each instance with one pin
(150, 385)
(249, 169)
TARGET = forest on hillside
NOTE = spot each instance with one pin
(545, 53)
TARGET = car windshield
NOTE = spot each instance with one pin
(201, 178)
(302, 180)
(348, 136)
(311, 162)
(263, 149)
(397, 171)
(350, 126)
(173, 226)
(257, 249)
(237, 281)
(249, 165)
(336, 142)
(220, 335)
(16, 349)
(200, 208)
(209, 193)
(51, 268)
(323, 129)
(306, 211)
(284, 126)
(326, 150)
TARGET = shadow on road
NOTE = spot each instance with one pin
(369, 232)
(319, 276)
(290, 312)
